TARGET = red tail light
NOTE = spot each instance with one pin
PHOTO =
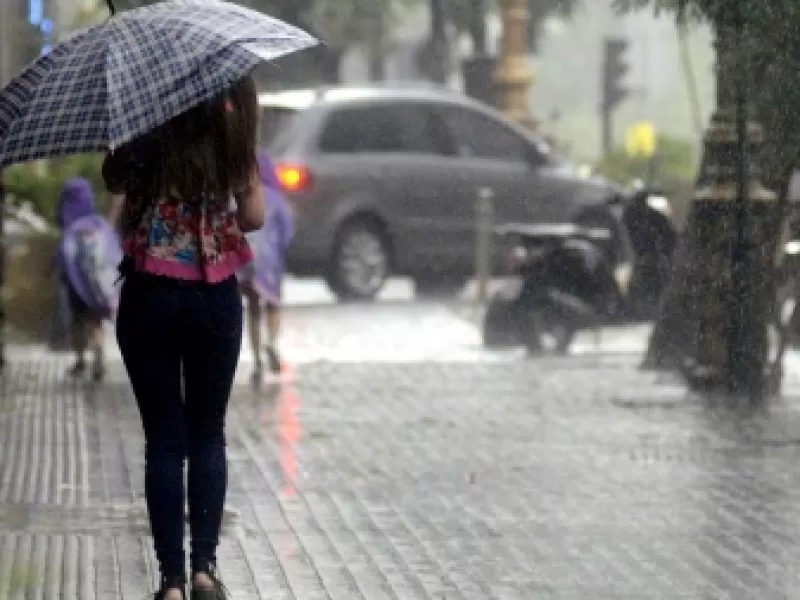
(293, 178)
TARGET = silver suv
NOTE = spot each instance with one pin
(385, 181)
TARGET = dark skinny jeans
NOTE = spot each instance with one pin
(180, 342)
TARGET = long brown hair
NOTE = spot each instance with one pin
(207, 153)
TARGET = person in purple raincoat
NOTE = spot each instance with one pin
(262, 279)
(86, 323)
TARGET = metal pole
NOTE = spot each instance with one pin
(740, 380)
(484, 217)
(606, 130)
(6, 67)
(6, 44)
(3, 267)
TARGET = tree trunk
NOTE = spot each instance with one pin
(436, 51)
(535, 25)
(477, 27)
(330, 65)
(671, 343)
(715, 314)
(376, 46)
(377, 65)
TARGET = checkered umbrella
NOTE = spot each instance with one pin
(104, 86)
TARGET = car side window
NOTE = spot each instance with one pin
(349, 130)
(477, 135)
(390, 128)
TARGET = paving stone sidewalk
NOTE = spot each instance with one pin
(575, 478)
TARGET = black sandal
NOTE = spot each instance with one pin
(77, 370)
(171, 583)
(217, 591)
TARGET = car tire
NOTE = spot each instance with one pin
(360, 260)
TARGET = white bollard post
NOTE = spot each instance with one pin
(484, 217)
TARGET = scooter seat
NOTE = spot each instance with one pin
(554, 231)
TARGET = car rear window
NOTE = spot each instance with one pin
(274, 125)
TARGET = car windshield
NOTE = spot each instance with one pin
(274, 120)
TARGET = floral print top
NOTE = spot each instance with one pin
(191, 241)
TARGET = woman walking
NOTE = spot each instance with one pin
(179, 323)
(262, 279)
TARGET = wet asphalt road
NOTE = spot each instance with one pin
(376, 472)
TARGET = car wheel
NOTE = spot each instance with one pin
(432, 286)
(360, 261)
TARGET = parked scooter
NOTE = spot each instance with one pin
(788, 311)
(648, 220)
(564, 281)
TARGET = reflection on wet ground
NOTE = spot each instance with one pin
(555, 478)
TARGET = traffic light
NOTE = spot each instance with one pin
(615, 68)
(613, 88)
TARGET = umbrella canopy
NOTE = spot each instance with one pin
(105, 86)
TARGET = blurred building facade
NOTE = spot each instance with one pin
(14, 50)
(566, 95)
(27, 27)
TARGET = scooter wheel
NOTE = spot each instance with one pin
(546, 332)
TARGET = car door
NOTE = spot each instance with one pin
(419, 191)
(491, 156)
(403, 155)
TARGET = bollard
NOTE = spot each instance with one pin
(484, 217)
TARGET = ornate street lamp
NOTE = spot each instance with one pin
(514, 75)
(731, 242)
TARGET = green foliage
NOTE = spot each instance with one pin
(340, 23)
(676, 160)
(541, 10)
(461, 13)
(714, 10)
(40, 182)
(769, 51)
(343, 23)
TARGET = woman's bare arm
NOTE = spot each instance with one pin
(250, 208)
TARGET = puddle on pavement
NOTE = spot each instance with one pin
(33, 518)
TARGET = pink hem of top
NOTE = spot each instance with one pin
(219, 271)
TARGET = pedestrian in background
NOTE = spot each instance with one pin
(262, 280)
(77, 219)
(179, 323)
